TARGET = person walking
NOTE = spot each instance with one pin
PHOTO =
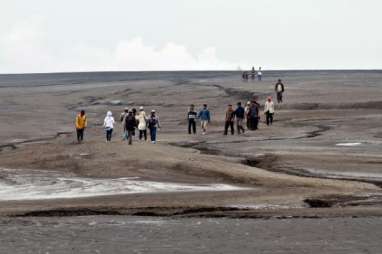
(269, 110)
(279, 88)
(153, 126)
(122, 119)
(81, 123)
(253, 73)
(130, 124)
(239, 114)
(248, 117)
(254, 114)
(191, 118)
(259, 74)
(229, 120)
(205, 118)
(142, 124)
(108, 124)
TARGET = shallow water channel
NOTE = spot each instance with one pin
(37, 184)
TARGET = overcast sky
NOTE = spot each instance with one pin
(93, 35)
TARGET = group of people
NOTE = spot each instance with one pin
(253, 73)
(130, 119)
(250, 113)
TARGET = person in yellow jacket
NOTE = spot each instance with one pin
(81, 123)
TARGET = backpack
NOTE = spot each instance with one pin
(153, 122)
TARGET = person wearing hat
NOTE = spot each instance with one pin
(191, 118)
(142, 123)
(81, 123)
(130, 124)
(269, 110)
(108, 124)
(153, 123)
(279, 88)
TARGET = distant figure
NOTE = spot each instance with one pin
(108, 124)
(254, 114)
(142, 123)
(239, 114)
(153, 126)
(205, 117)
(130, 124)
(122, 119)
(81, 124)
(191, 118)
(253, 73)
(244, 75)
(229, 120)
(269, 110)
(259, 74)
(246, 112)
(279, 88)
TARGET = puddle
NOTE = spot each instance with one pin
(35, 184)
(349, 144)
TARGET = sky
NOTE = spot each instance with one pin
(126, 35)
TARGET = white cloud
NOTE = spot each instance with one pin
(26, 47)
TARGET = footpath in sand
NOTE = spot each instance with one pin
(321, 158)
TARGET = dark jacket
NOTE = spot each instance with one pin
(192, 115)
(282, 86)
(130, 122)
(239, 112)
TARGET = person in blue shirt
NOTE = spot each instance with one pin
(205, 117)
(239, 114)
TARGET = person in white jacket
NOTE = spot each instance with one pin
(142, 123)
(269, 110)
(108, 124)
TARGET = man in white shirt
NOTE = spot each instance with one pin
(269, 110)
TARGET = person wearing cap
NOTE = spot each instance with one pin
(239, 114)
(130, 124)
(81, 123)
(153, 123)
(191, 118)
(108, 124)
(279, 88)
(229, 120)
(142, 123)
(269, 110)
(122, 119)
(205, 117)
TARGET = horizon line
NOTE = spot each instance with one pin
(132, 71)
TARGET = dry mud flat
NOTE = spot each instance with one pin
(117, 234)
(321, 159)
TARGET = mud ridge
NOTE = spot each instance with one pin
(14, 145)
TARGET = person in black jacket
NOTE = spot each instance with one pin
(239, 114)
(130, 125)
(191, 118)
(279, 88)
